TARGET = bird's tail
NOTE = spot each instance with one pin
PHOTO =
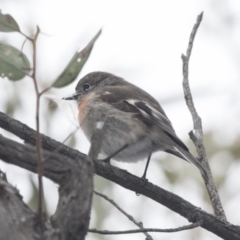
(186, 155)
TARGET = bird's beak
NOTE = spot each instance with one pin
(73, 97)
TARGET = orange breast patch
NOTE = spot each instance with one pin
(81, 109)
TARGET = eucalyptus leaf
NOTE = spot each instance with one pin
(8, 23)
(75, 65)
(13, 63)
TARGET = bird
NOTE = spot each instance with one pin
(135, 125)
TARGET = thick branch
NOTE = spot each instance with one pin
(197, 137)
(23, 156)
(76, 185)
(29, 136)
(74, 177)
(17, 221)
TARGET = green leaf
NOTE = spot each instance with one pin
(8, 23)
(13, 64)
(75, 65)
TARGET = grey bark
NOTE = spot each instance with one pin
(17, 221)
(75, 179)
(71, 164)
(197, 137)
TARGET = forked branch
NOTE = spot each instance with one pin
(197, 136)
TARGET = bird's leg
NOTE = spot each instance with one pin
(144, 179)
(147, 164)
(107, 159)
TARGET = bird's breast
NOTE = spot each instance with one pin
(84, 107)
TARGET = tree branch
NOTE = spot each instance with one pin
(197, 137)
(169, 230)
(15, 216)
(58, 168)
(38, 142)
(139, 224)
(74, 177)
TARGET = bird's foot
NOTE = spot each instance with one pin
(144, 181)
(107, 160)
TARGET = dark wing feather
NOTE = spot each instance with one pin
(147, 108)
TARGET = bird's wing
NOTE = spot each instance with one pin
(146, 109)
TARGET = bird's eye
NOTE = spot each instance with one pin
(86, 87)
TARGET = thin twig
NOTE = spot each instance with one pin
(24, 43)
(45, 90)
(169, 230)
(61, 144)
(139, 224)
(197, 137)
(27, 37)
(64, 141)
(38, 137)
(40, 169)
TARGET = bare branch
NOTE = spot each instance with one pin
(65, 140)
(197, 137)
(76, 185)
(139, 224)
(169, 230)
(58, 168)
(17, 221)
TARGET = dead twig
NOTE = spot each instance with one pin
(168, 230)
(197, 136)
(139, 224)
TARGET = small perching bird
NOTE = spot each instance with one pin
(135, 124)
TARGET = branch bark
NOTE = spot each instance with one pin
(144, 230)
(74, 177)
(17, 221)
(58, 167)
(197, 137)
